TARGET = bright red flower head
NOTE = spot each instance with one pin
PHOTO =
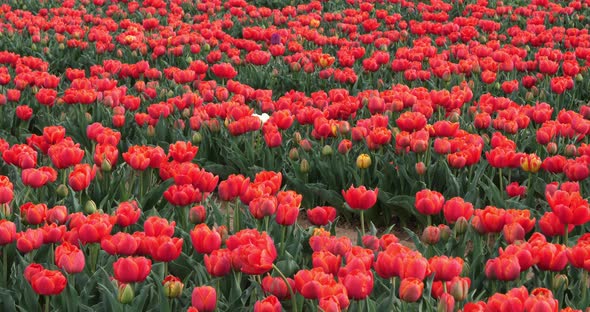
(360, 198)
(132, 269)
(69, 258)
(253, 252)
(204, 298)
(204, 239)
(48, 282)
(429, 202)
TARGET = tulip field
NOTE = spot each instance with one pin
(207, 155)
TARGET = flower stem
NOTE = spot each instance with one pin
(501, 181)
(363, 222)
(5, 266)
(283, 234)
(565, 235)
(236, 216)
(293, 299)
(47, 298)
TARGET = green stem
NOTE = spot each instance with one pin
(93, 257)
(266, 223)
(293, 299)
(363, 222)
(47, 298)
(283, 234)
(236, 216)
(165, 269)
(5, 266)
(565, 235)
(428, 220)
(502, 190)
(584, 287)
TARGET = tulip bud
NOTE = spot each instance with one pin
(445, 231)
(552, 148)
(197, 138)
(454, 117)
(294, 154)
(125, 294)
(529, 96)
(61, 46)
(363, 161)
(88, 117)
(304, 166)
(106, 166)
(62, 191)
(206, 47)
(305, 145)
(297, 137)
(459, 288)
(172, 287)
(446, 303)
(90, 207)
(420, 168)
(327, 150)
(560, 280)
(579, 78)
(431, 235)
(461, 226)
(151, 131)
(570, 150)
(5, 209)
(197, 214)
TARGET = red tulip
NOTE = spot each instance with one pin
(321, 215)
(429, 202)
(232, 187)
(276, 286)
(410, 289)
(127, 213)
(205, 240)
(263, 206)
(182, 195)
(81, 177)
(33, 213)
(445, 268)
(156, 226)
(455, 208)
(48, 282)
(37, 178)
(6, 190)
(164, 248)
(7, 232)
(120, 244)
(29, 240)
(570, 208)
(360, 198)
(65, 154)
(95, 227)
(326, 260)
(253, 252)
(69, 258)
(288, 207)
(552, 257)
(132, 269)
(218, 262)
(182, 151)
(204, 298)
(268, 304)
(224, 71)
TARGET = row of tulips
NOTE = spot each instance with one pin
(177, 144)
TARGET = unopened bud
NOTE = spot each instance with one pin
(62, 190)
(304, 166)
(90, 207)
(125, 294)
